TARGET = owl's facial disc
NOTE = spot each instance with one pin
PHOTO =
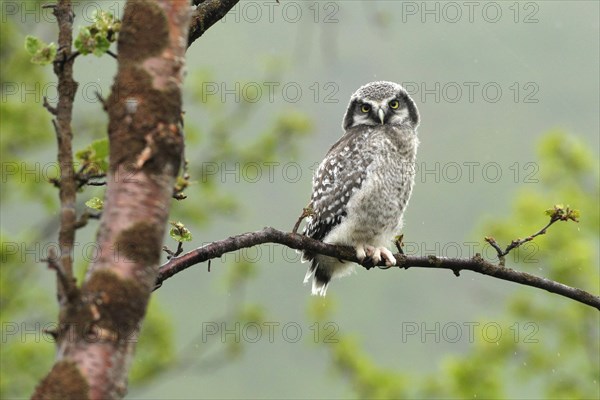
(398, 117)
(372, 100)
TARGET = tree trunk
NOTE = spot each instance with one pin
(99, 325)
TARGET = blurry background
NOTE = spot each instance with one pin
(508, 96)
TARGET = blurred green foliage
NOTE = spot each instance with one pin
(155, 350)
(349, 360)
(26, 352)
(24, 355)
(26, 125)
(555, 352)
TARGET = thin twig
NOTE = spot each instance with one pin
(182, 182)
(398, 243)
(559, 213)
(86, 179)
(68, 283)
(101, 100)
(85, 217)
(172, 253)
(73, 56)
(518, 242)
(47, 106)
(306, 212)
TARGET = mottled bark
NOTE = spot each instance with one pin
(98, 327)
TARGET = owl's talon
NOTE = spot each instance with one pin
(374, 253)
(360, 253)
(389, 258)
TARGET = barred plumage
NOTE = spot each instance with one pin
(363, 185)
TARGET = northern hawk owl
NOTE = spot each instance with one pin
(363, 185)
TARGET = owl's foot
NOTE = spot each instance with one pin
(376, 254)
(361, 254)
(388, 256)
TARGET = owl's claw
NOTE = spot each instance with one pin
(360, 253)
(389, 258)
(376, 254)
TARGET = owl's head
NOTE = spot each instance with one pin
(379, 103)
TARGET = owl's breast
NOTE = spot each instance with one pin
(376, 209)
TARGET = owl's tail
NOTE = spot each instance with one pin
(320, 278)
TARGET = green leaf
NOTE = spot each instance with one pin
(45, 56)
(33, 44)
(100, 148)
(574, 215)
(41, 53)
(95, 203)
(179, 232)
(97, 37)
(102, 45)
(94, 157)
(560, 212)
(181, 183)
(105, 22)
(83, 41)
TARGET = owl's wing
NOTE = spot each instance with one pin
(338, 177)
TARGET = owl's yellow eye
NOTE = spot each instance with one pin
(365, 108)
(394, 104)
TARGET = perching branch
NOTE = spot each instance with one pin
(207, 13)
(300, 242)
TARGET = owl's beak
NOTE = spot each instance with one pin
(381, 115)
